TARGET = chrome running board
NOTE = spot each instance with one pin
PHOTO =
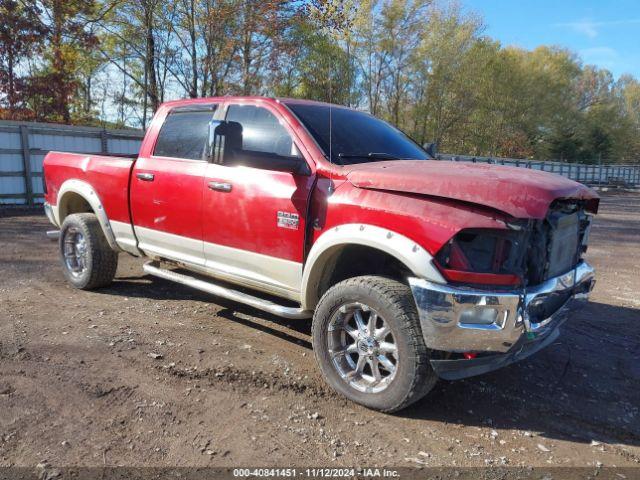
(152, 268)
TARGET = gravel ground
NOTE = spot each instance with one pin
(149, 373)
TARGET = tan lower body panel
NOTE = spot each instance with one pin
(125, 238)
(262, 272)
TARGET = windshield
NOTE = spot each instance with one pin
(356, 137)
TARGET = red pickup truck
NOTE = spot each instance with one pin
(412, 268)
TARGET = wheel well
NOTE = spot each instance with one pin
(72, 202)
(356, 260)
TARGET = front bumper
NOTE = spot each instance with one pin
(460, 319)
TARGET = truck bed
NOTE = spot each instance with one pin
(108, 175)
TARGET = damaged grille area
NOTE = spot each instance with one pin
(556, 243)
(526, 253)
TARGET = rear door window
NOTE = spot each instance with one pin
(184, 134)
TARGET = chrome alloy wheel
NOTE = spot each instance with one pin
(74, 250)
(362, 348)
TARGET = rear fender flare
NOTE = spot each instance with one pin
(407, 251)
(87, 192)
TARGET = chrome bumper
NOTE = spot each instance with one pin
(458, 319)
(48, 210)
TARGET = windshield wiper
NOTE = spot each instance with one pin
(372, 155)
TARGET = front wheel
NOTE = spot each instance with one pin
(368, 343)
(87, 259)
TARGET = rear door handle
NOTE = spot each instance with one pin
(220, 186)
(147, 177)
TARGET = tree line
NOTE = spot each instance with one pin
(424, 65)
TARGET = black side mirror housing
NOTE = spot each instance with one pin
(295, 165)
(223, 137)
(431, 149)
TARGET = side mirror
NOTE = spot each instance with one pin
(223, 137)
(431, 149)
(295, 165)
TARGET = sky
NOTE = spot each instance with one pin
(605, 33)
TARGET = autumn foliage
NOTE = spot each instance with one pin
(424, 66)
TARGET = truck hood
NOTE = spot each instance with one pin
(519, 192)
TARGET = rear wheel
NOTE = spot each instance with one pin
(368, 343)
(87, 259)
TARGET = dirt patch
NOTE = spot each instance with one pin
(149, 373)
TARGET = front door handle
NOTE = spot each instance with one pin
(220, 186)
(147, 177)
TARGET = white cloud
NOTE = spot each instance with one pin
(584, 27)
(604, 57)
(591, 28)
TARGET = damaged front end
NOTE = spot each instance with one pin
(557, 243)
(508, 292)
(526, 252)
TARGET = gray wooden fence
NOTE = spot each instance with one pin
(590, 174)
(23, 146)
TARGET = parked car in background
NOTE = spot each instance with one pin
(413, 269)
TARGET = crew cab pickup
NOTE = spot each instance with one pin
(412, 269)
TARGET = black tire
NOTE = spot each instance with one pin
(99, 260)
(392, 300)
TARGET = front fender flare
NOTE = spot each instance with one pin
(412, 255)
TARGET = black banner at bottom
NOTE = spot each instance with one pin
(45, 471)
